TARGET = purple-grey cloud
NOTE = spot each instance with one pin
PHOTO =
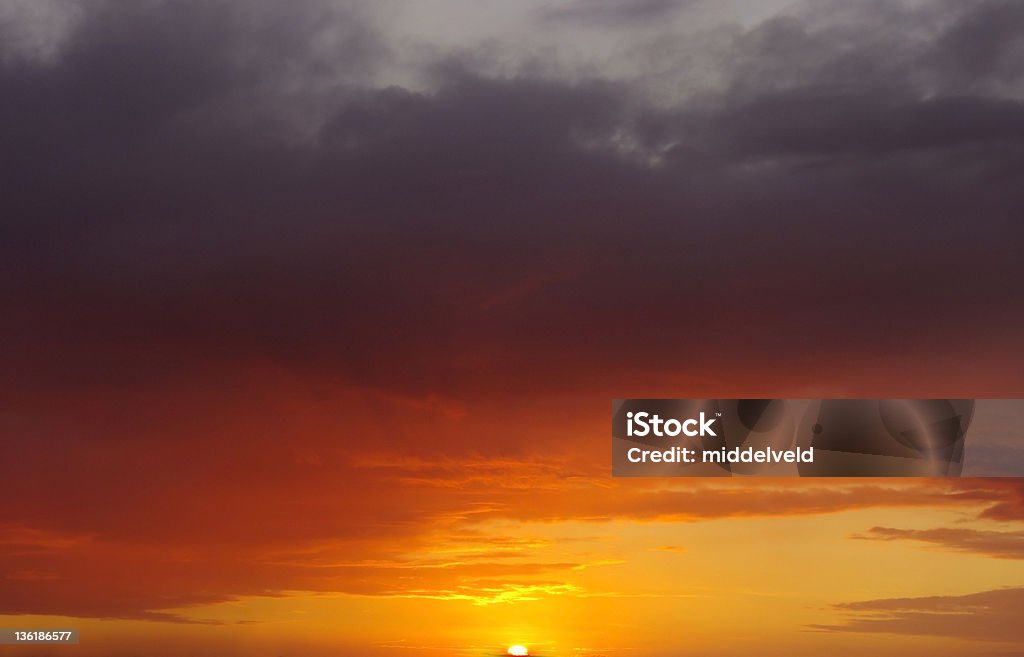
(984, 616)
(998, 544)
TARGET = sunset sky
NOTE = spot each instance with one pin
(312, 313)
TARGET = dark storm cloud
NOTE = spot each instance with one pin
(986, 45)
(609, 13)
(845, 193)
(812, 123)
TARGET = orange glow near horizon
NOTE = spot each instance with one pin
(386, 545)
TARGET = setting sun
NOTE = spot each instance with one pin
(519, 651)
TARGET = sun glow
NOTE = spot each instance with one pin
(519, 651)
